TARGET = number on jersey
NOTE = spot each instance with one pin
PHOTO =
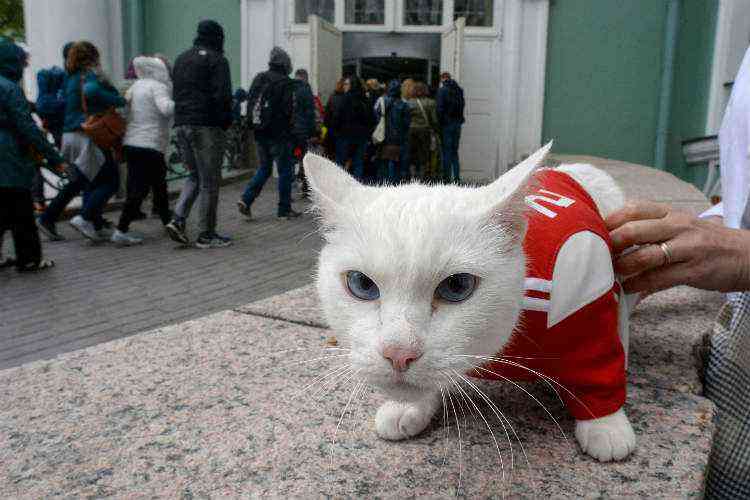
(558, 201)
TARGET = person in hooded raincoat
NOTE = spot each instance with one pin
(20, 140)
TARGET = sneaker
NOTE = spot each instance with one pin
(291, 214)
(84, 227)
(104, 233)
(176, 231)
(213, 241)
(125, 239)
(244, 209)
(49, 230)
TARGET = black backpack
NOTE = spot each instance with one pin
(270, 106)
(456, 103)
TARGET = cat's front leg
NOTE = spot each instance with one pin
(398, 420)
(607, 438)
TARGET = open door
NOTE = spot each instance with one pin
(326, 56)
(452, 49)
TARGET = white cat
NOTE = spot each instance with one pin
(428, 284)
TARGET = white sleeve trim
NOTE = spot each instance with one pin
(583, 273)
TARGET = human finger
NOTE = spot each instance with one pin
(643, 232)
(657, 279)
(641, 260)
(637, 210)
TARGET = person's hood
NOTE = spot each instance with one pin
(394, 89)
(50, 79)
(450, 83)
(280, 61)
(12, 58)
(151, 68)
(210, 35)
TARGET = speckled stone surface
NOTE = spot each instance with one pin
(220, 406)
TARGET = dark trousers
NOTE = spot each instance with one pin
(17, 216)
(268, 153)
(146, 170)
(451, 142)
(98, 193)
(353, 148)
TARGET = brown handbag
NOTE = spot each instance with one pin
(106, 129)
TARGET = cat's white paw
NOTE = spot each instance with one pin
(607, 438)
(397, 420)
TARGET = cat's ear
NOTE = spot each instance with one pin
(506, 196)
(330, 185)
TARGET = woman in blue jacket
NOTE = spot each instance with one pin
(95, 172)
(20, 141)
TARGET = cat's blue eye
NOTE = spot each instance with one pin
(361, 286)
(456, 288)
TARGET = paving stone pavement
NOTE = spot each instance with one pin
(98, 293)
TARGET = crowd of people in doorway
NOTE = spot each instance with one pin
(82, 127)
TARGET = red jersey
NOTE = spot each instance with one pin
(568, 329)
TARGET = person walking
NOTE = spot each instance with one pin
(20, 139)
(394, 151)
(450, 112)
(50, 108)
(423, 131)
(146, 141)
(87, 92)
(355, 121)
(331, 120)
(318, 115)
(203, 112)
(282, 116)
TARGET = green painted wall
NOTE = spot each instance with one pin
(169, 27)
(692, 84)
(603, 73)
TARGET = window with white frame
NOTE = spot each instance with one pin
(323, 8)
(423, 13)
(364, 12)
(477, 12)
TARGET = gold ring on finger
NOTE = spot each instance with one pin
(667, 253)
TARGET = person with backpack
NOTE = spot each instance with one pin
(203, 112)
(394, 150)
(450, 112)
(355, 121)
(50, 108)
(20, 141)
(283, 117)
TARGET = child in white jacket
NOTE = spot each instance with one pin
(149, 118)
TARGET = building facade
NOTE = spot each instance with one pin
(625, 80)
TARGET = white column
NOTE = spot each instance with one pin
(51, 24)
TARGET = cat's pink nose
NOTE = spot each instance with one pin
(401, 357)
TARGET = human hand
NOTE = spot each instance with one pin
(696, 252)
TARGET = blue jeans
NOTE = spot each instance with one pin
(269, 152)
(344, 146)
(451, 141)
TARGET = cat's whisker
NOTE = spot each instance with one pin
(489, 428)
(322, 348)
(321, 378)
(361, 399)
(460, 445)
(501, 417)
(355, 390)
(314, 360)
(331, 384)
(538, 374)
(445, 425)
(534, 398)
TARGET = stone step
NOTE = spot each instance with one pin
(219, 406)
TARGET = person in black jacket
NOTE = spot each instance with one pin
(282, 113)
(203, 112)
(354, 122)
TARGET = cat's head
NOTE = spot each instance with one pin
(417, 279)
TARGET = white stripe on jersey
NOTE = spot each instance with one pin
(535, 304)
(538, 285)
